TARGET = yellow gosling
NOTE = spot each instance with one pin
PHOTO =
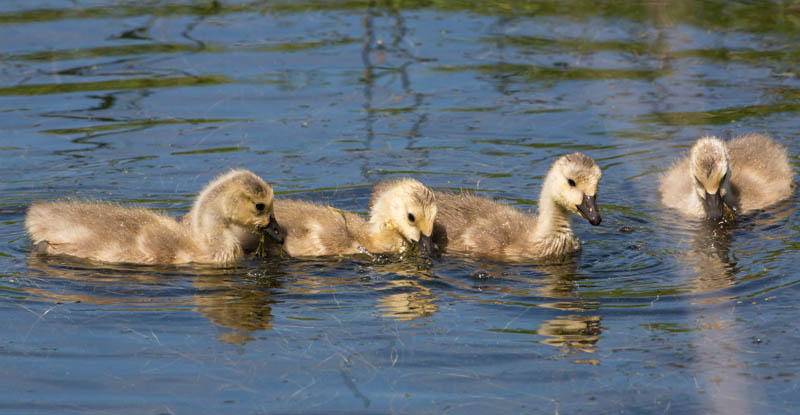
(401, 211)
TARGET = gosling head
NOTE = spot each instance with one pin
(574, 179)
(247, 201)
(710, 169)
(407, 207)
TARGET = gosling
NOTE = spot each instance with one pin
(401, 211)
(475, 226)
(747, 173)
(109, 233)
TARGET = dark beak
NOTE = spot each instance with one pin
(274, 230)
(588, 209)
(713, 206)
(426, 245)
(731, 201)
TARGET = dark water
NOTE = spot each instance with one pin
(144, 102)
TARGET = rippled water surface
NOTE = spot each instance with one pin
(143, 103)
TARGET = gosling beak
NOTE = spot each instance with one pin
(713, 206)
(731, 202)
(426, 245)
(588, 209)
(274, 230)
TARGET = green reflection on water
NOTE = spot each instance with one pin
(210, 151)
(542, 73)
(752, 56)
(134, 124)
(578, 45)
(395, 110)
(108, 51)
(161, 48)
(758, 16)
(526, 142)
(136, 83)
(574, 45)
(514, 331)
(470, 109)
(718, 117)
(668, 327)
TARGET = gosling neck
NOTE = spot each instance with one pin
(553, 218)
(210, 229)
(383, 234)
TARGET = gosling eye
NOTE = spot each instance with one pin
(411, 217)
(260, 207)
(571, 182)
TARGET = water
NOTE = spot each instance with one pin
(144, 103)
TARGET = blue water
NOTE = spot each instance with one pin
(144, 103)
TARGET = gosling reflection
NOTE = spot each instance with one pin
(230, 300)
(710, 257)
(553, 281)
(407, 297)
(243, 305)
(572, 332)
(412, 302)
(401, 289)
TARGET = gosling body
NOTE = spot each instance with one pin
(476, 226)
(401, 212)
(742, 175)
(110, 233)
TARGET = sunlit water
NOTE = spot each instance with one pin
(144, 102)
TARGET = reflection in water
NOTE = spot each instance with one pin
(240, 304)
(710, 258)
(413, 301)
(223, 295)
(150, 101)
(388, 61)
(572, 332)
(721, 354)
(553, 281)
(401, 291)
